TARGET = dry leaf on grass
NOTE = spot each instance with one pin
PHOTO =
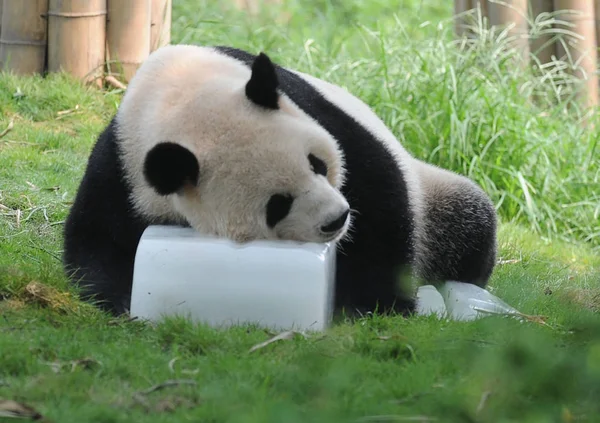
(390, 337)
(509, 261)
(185, 371)
(517, 314)
(10, 126)
(534, 319)
(66, 112)
(84, 363)
(482, 402)
(527, 317)
(290, 334)
(17, 410)
(48, 296)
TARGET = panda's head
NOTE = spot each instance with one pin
(245, 163)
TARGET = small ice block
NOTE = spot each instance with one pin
(465, 301)
(430, 301)
(281, 285)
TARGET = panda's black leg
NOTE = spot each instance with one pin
(99, 289)
(103, 275)
(366, 284)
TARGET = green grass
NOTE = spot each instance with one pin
(464, 107)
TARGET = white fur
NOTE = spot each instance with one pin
(195, 96)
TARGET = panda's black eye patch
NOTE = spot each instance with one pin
(318, 166)
(278, 207)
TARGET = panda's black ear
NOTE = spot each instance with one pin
(168, 167)
(262, 86)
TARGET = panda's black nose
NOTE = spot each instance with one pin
(336, 224)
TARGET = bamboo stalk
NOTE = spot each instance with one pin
(460, 22)
(128, 34)
(1, 3)
(597, 21)
(541, 45)
(161, 24)
(23, 36)
(582, 51)
(513, 13)
(76, 38)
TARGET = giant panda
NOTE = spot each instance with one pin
(235, 146)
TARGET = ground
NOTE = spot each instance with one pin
(467, 110)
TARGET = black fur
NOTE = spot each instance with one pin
(318, 165)
(102, 230)
(169, 166)
(262, 86)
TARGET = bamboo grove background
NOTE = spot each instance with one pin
(545, 32)
(94, 40)
(103, 41)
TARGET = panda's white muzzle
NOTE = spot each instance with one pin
(334, 227)
(320, 214)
